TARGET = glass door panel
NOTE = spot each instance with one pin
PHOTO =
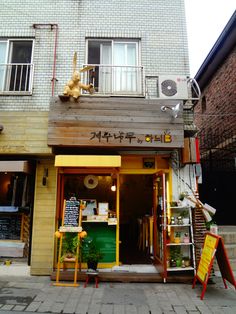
(125, 60)
(159, 205)
(105, 73)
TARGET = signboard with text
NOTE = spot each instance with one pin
(213, 246)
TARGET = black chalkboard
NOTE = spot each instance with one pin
(71, 213)
(10, 227)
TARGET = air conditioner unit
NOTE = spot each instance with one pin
(173, 87)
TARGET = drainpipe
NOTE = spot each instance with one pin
(52, 26)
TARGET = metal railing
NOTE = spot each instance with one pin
(16, 77)
(114, 80)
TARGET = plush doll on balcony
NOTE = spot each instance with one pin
(74, 86)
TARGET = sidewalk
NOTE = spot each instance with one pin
(35, 294)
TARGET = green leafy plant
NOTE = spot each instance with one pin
(182, 195)
(209, 224)
(70, 243)
(185, 213)
(175, 253)
(93, 254)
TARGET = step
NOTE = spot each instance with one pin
(232, 262)
(230, 250)
(229, 237)
(227, 228)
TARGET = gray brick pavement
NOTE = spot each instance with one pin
(38, 295)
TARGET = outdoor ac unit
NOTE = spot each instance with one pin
(172, 87)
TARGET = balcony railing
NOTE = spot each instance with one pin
(114, 80)
(16, 78)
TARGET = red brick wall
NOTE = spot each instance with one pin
(220, 96)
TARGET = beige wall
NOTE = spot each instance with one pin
(24, 133)
(44, 220)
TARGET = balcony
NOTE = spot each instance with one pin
(110, 80)
(16, 78)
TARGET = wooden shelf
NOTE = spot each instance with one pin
(181, 243)
(187, 225)
(180, 268)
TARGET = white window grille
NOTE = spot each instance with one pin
(16, 68)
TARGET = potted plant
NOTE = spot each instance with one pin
(175, 256)
(92, 255)
(177, 237)
(186, 238)
(70, 243)
(186, 261)
(182, 198)
(185, 216)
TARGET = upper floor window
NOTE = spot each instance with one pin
(16, 66)
(117, 67)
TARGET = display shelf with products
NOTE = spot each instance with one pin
(179, 240)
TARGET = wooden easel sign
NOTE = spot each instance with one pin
(213, 246)
(71, 222)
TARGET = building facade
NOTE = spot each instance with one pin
(215, 117)
(130, 130)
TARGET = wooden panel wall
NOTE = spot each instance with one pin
(44, 220)
(79, 123)
(24, 132)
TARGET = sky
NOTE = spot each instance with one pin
(206, 20)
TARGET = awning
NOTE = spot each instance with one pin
(15, 166)
(87, 161)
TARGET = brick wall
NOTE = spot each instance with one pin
(160, 25)
(220, 95)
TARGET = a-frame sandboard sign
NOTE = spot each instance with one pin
(213, 246)
(71, 222)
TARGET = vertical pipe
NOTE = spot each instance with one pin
(53, 26)
(54, 59)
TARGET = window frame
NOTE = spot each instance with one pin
(137, 41)
(113, 41)
(8, 58)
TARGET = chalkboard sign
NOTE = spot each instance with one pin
(10, 227)
(71, 213)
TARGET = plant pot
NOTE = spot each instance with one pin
(187, 263)
(178, 262)
(186, 221)
(92, 265)
(176, 240)
(186, 239)
(172, 263)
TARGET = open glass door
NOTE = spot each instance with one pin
(159, 221)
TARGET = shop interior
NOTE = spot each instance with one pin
(136, 207)
(15, 206)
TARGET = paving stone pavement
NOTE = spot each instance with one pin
(36, 294)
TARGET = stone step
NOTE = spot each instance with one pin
(231, 250)
(227, 228)
(232, 262)
(229, 237)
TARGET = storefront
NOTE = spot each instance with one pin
(121, 202)
(119, 160)
(16, 178)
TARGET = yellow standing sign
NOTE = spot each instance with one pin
(213, 246)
